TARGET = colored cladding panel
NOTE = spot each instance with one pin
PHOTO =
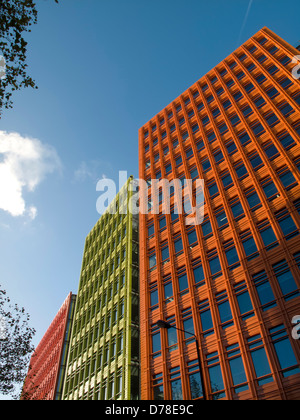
(45, 376)
(103, 361)
(233, 280)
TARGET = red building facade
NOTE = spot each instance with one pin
(46, 372)
(234, 280)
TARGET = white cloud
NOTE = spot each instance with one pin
(24, 163)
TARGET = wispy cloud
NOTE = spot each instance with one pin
(24, 164)
(92, 170)
(244, 23)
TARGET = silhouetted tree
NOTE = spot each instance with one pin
(15, 345)
(16, 17)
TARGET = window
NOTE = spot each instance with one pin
(176, 386)
(236, 208)
(195, 380)
(227, 180)
(259, 101)
(267, 234)
(249, 245)
(247, 111)
(213, 190)
(270, 189)
(172, 334)
(244, 300)
(152, 260)
(156, 342)
(206, 228)
(183, 282)
(214, 264)
(168, 289)
(285, 280)
(272, 119)
(256, 161)
(165, 254)
(231, 147)
(153, 296)
(271, 151)
(286, 140)
(218, 155)
(206, 165)
(272, 93)
(150, 231)
(244, 138)
(205, 318)
(192, 238)
(264, 290)
(258, 129)
(224, 310)
(260, 360)
(188, 325)
(231, 255)
(221, 218)
(223, 128)
(238, 375)
(287, 178)
(241, 170)
(158, 387)
(286, 358)
(162, 223)
(215, 376)
(199, 277)
(178, 246)
(287, 224)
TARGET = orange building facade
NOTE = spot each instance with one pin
(45, 376)
(232, 281)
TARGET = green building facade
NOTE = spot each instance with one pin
(103, 360)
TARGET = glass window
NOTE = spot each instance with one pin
(237, 370)
(158, 389)
(284, 351)
(156, 344)
(287, 179)
(221, 219)
(260, 360)
(268, 236)
(183, 282)
(249, 246)
(198, 274)
(154, 298)
(225, 311)
(270, 189)
(227, 180)
(152, 261)
(253, 200)
(168, 290)
(176, 390)
(215, 376)
(287, 225)
(195, 381)
(188, 325)
(264, 290)
(286, 280)
(215, 266)
(206, 228)
(232, 256)
(237, 210)
(178, 246)
(165, 254)
(213, 189)
(192, 237)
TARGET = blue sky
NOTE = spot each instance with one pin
(104, 68)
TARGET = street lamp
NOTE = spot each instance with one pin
(167, 326)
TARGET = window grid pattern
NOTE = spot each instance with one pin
(230, 127)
